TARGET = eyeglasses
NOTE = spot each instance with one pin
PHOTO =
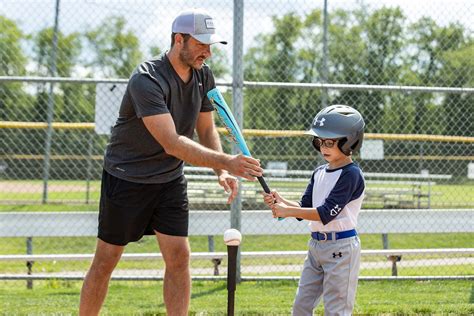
(328, 143)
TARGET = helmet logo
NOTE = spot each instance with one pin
(320, 122)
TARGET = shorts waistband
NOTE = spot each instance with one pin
(324, 236)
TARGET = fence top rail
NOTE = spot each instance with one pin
(355, 87)
(208, 181)
(246, 254)
(29, 214)
(255, 84)
(251, 132)
(308, 173)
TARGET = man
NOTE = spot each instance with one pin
(143, 186)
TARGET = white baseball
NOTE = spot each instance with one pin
(232, 237)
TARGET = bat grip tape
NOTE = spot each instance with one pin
(263, 184)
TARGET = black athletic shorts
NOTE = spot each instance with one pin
(129, 210)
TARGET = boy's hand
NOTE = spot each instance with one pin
(268, 199)
(271, 198)
(279, 209)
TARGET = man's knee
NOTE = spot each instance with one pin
(175, 250)
(104, 265)
(178, 260)
(101, 269)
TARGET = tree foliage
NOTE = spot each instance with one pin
(12, 63)
(374, 47)
(116, 50)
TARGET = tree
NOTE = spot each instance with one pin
(67, 58)
(430, 42)
(72, 102)
(458, 117)
(310, 63)
(155, 51)
(362, 49)
(275, 59)
(348, 56)
(67, 52)
(13, 100)
(384, 30)
(116, 50)
(219, 63)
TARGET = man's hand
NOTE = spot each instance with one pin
(230, 185)
(245, 167)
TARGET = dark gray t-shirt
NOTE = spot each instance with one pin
(155, 88)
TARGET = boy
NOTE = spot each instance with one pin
(331, 203)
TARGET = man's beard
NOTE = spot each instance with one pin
(186, 58)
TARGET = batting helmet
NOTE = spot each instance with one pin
(340, 122)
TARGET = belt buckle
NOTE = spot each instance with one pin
(325, 236)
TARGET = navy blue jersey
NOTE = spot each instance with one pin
(337, 194)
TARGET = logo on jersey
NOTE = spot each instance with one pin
(339, 254)
(318, 122)
(335, 210)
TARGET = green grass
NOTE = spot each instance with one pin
(251, 298)
(255, 298)
(72, 195)
(48, 245)
(451, 196)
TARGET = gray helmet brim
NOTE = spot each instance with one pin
(324, 134)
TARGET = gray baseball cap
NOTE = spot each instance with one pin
(199, 24)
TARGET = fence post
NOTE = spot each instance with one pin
(238, 104)
(385, 241)
(89, 167)
(50, 114)
(29, 264)
(215, 261)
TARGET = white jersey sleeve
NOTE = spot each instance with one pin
(337, 194)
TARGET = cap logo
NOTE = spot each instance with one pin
(209, 23)
(320, 122)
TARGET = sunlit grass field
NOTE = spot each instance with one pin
(251, 298)
(209, 298)
(75, 195)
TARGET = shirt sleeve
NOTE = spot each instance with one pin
(210, 84)
(348, 187)
(307, 198)
(147, 96)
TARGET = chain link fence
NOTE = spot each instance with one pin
(407, 67)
